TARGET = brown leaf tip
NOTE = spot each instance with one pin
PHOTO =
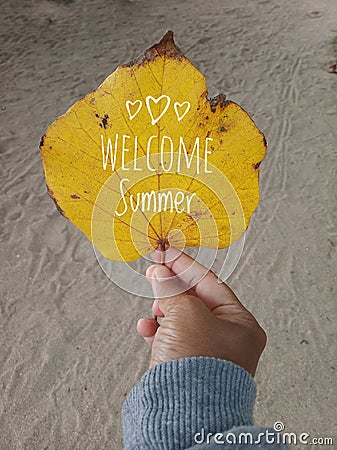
(165, 47)
(166, 40)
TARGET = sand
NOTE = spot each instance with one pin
(69, 351)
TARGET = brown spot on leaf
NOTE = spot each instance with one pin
(219, 99)
(51, 195)
(257, 165)
(105, 121)
(42, 141)
(74, 196)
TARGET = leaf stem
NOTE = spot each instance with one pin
(162, 262)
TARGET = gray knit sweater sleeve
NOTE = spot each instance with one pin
(194, 403)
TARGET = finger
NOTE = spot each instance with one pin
(166, 284)
(150, 277)
(172, 296)
(149, 340)
(149, 271)
(147, 329)
(204, 283)
(156, 309)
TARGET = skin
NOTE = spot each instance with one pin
(199, 316)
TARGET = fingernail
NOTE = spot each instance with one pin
(149, 272)
(161, 273)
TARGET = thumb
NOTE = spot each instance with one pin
(166, 285)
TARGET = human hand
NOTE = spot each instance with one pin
(199, 316)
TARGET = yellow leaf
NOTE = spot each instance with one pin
(147, 159)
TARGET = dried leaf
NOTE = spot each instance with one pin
(149, 134)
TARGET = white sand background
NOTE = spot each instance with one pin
(69, 351)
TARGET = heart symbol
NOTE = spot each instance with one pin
(179, 106)
(156, 101)
(130, 104)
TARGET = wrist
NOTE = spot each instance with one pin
(177, 399)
